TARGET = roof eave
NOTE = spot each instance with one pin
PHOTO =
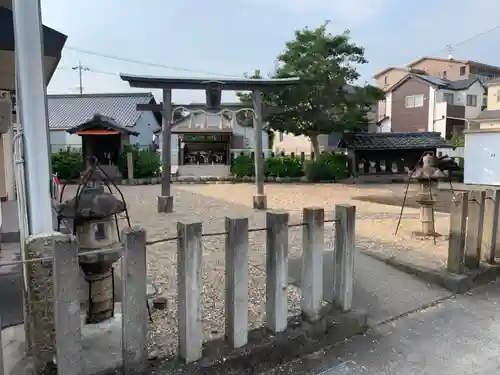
(182, 83)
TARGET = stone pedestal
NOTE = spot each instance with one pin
(165, 204)
(260, 202)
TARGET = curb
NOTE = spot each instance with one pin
(455, 283)
(266, 351)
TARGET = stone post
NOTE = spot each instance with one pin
(474, 229)
(134, 301)
(345, 244)
(259, 200)
(456, 242)
(490, 225)
(189, 254)
(67, 306)
(276, 271)
(237, 281)
(130, 166)
(313, 244)
(166, 201)
(40, 302)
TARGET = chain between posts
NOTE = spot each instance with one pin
(213, 234)
(152, 242)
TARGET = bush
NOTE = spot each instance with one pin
(67, 164)
(243, 166)
(327, 167)
(283, 166)
(146, 162)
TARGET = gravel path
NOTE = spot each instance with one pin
(211, 203)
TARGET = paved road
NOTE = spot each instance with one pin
(379, 289)
(459, 336)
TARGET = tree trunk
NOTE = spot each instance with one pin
(315, 144)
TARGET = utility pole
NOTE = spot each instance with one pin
(81, 69)
(32, 107)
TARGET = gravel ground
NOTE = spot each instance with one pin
(375, 227)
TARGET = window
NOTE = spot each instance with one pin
(448, 97)
(498, 96)
(280, 136)
(462, 70)
(414, 101)
(385, 80)
(444, 74)
(471, 100)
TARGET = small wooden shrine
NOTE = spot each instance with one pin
(103, 138)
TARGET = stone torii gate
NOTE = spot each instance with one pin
(213, 88)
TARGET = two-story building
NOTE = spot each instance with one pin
(482, 140)
(446, 68)
(423, 103)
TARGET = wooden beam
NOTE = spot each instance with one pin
(150, 107)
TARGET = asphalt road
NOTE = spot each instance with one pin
(459, 335)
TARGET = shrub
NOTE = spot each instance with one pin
(327, 167)
(283, 166)
(146, 162)
(67, 164)
(243, 166)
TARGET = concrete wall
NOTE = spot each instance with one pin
(481, 158)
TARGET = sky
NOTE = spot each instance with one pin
(230, 37)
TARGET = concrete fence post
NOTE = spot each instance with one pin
(456, 242)
(474, 236)
(237, 281)
(1, 349)
(189, 255)
(134, 301)
(40, 329)
(313, 244)
(67, 306)
(276, 271)
(490, 226)
(345, 244)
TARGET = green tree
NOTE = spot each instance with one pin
(325, 100)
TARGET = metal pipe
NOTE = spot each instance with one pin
(33, 109)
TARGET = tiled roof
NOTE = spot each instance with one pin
(394, 141)
(489, 114)
(68, 111)
(461, 84)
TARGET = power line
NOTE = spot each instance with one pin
(472, 38)
(146, 63)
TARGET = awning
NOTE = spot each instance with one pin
(53, 44)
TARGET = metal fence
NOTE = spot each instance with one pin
(64, 266)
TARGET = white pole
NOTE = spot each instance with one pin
(32, 105)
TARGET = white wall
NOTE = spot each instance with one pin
(288, 143)
(439, 114)
(482, 158)
(460, 98)
(146, 125)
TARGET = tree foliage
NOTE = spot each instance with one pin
(325, 99)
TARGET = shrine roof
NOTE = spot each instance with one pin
(67, 111)
(194, 83)
(393, 141)
(102, 122)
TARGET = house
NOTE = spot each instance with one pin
(53, 45)
(202, 144)
(423, 103)
(446, 68)
(482, 140)
(68, 111)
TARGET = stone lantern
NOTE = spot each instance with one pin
(93, 212)
(427, 176)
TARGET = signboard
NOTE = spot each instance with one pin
(204, 138)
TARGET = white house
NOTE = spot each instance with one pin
(68, 111)
(202, 144)
(482, 142)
